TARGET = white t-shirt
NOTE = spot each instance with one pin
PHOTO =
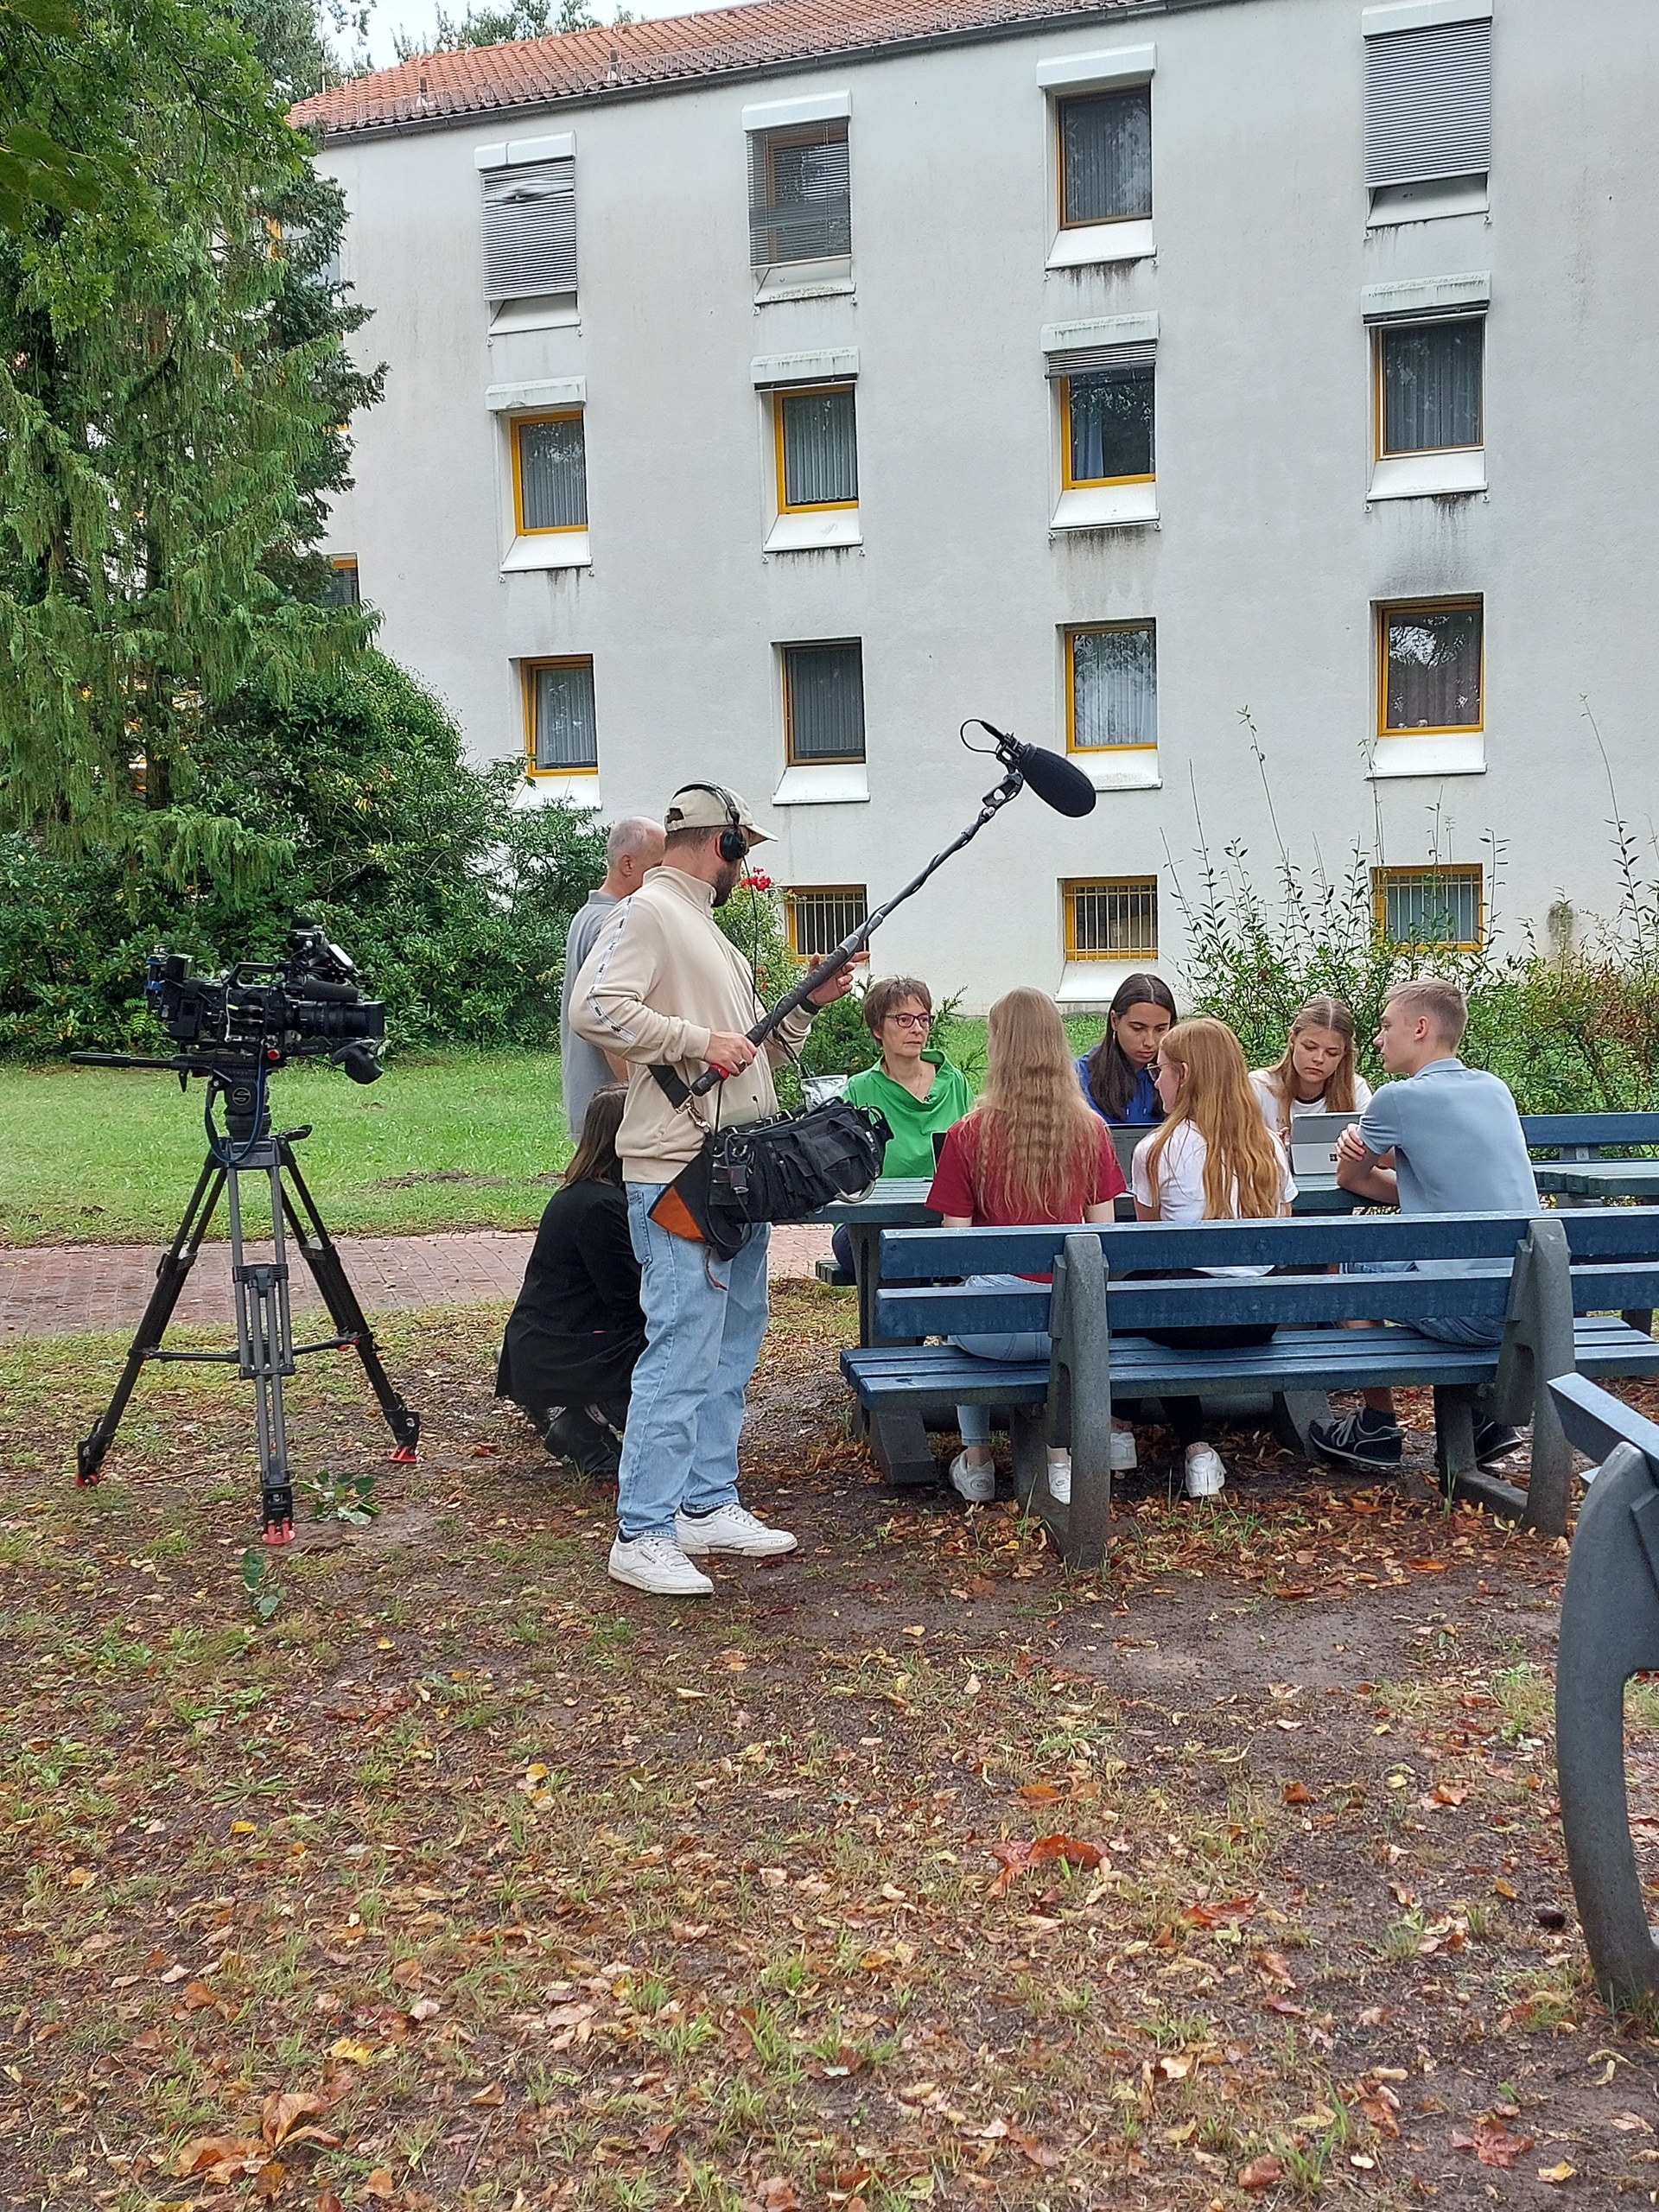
(1180, 1195)
(1266, 1092)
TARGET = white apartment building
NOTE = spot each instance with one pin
(770, 390)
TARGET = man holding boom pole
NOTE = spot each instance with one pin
(665, 987)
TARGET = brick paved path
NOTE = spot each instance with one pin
(52, 1288)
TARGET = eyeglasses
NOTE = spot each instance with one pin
(912, 1020)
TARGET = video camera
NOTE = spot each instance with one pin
(305, 1005)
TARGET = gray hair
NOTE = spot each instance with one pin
(634, 833)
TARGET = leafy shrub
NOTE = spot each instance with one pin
(454, 900)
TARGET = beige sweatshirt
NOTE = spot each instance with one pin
(663, 975)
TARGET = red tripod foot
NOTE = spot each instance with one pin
(279, 1532)
(402, 1455)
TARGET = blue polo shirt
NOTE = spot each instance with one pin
(1458, 1146)
(1143, 1102)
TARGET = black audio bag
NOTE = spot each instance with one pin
(783, 1169)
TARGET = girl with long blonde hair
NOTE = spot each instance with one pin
(1315, 1074)
(1212, 1158)
(1032, 1150)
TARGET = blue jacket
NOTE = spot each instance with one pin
(1143, 1105)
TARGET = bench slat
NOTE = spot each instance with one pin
(1306, 1359)
(1589, 1129)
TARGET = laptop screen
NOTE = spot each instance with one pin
(1314, 1141)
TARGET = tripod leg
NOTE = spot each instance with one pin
(328, 1271)
(175, 1264)
(265, 1342)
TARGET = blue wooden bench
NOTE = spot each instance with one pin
(1539, 1273)
(1610, 1630)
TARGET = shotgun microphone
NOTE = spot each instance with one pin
(1058, 783)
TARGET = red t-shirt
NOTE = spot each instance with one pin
(957, 1189)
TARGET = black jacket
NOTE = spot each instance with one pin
(577, 1328)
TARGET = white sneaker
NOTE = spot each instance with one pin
(1205, 1475)
(1124, 1457)
(976, 1484)
(734, 1530)
(1060, 1480)
(656, 1564)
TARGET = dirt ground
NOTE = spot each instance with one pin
(908, 1869)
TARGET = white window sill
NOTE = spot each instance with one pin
(830, 783)
(1106, 506)
(546, 311)
(1089, 244)
(806, 280)
(1093, 983)
(548, 549)
(1121, 768)
(1395, 203)
(1428, 475)
(811, 529)
(1434, 753)
(554, 787)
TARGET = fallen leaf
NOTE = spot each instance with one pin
(1264, 2172)
(283, 2110)
(269, 2178)
(1557, 2174)
(1427, 1565)
(1273, 1966)
(653, 2138)
(1492, 2144)
(492, 2095)
(1297, 1793)
(1070, 1848)
(1450, 1793)
(197, 1996)
(778, 2195)
(1040, 2154)
(357, 2053)
(220, 2158)
(1283, 2006)
(1631, 2123)
(379, 2183)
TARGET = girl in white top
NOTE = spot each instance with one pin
(1316, 1073)
(1211, 1160)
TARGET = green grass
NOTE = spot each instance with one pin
(443, 1141)
(108, 1156)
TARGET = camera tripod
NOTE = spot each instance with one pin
(265, 1350)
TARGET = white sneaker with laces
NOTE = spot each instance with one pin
(657, 1565)
(1060, 1480)
(1205, 1475)
(1124, 1457)
(976, 1484)
(732, 1529)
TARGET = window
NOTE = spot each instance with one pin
(342, 588)
(1111, 687)
(560, 734)
(1429, 906)
(817, 448)
(824, 702)
(1428, 380)
(1105, 157)
(530, 219)
(1429, 663)
(1106, 420)
(1113, 919)
(819, 919)
(549, 472)
(800, 197)
(1428, 98)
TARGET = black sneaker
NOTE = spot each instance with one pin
(1362, 1440)
(576, 1436)
(1493, 1442)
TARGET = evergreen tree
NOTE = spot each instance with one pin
(172, 379)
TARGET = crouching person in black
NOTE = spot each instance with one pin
(577, 1329)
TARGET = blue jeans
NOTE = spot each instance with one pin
(1456, 1329)
(704, 1320)
(974, 1422)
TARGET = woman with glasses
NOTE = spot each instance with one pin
(916, 1090)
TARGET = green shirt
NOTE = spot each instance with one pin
(914, 1121)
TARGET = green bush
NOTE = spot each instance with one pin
(454, 900)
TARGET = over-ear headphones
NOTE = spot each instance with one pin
(734, 845)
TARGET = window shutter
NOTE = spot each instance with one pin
(1125, 361)
(1428, 103)
(800, 194)
(530, 229)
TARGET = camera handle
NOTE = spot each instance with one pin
(832, 963)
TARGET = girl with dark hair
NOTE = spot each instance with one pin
(577, 1329)
(1117, 1076)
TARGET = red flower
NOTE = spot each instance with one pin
(755, 881)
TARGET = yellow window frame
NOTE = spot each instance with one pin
(1068, 482)
(1379, 409)
(800, 892)
(528, 671)
(816, 759)
(1094, 630)
(779, 400)
(1387, 609)
(1462, 870)
(528, 422)
(1069, 887)
(1084, 222)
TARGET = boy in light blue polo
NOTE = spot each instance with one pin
(1445, 1140)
